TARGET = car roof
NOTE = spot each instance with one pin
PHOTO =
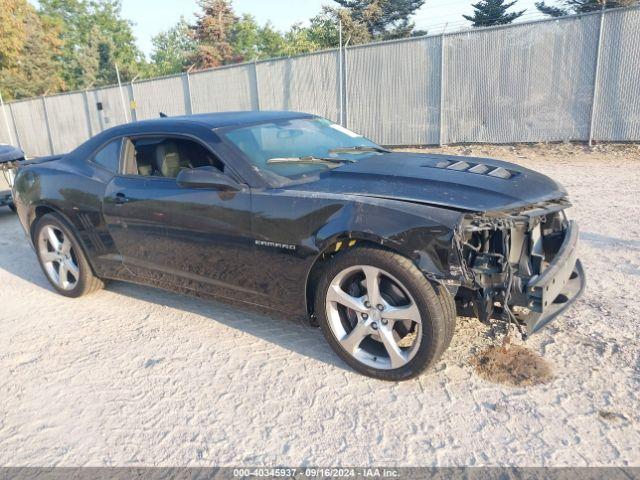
(225, 119)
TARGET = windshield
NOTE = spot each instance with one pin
(292, 150)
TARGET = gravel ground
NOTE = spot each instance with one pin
(137, 376)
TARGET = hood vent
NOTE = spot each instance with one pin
(477, 168)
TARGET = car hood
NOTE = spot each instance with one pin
(461, 183)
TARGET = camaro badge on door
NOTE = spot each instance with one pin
(262, 243)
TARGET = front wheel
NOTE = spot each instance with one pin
(381, 315)
(62, 259)
(12, 207)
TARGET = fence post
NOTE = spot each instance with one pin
(442, 89)
(133, 104)
(46, 120)
(187, 84)
(256, 84)
(340, 74)
(596, 77)
(6, 119)
(187, 93)
(346, 85)
(87, 111)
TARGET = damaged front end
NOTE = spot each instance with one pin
(519, 266)
(10, 158)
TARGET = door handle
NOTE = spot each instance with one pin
(120, 198)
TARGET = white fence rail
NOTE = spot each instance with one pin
(572, 78)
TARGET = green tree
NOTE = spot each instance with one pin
(384, 18)
(176, 49)
(272, 42)
(568, 7)
(95, 37)
(29, 48)
(297, 41)
(493, 12)
(213, 33)
(251, 41)
(324, 28)
(12, 32)
(245, 38)
(172, 49)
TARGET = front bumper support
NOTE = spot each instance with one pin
(561, 284)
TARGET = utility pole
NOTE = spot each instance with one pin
(124, 104)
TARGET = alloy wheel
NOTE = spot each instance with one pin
(58, 257)
(374, 317)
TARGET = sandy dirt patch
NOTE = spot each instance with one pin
(137, 376)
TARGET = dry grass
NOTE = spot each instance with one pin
(516, 366)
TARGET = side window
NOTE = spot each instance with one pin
(166, 156)
(109, 156)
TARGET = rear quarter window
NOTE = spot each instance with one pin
(109, 156)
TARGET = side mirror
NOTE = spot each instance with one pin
(206, 177)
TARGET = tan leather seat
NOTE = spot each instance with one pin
(169, 162)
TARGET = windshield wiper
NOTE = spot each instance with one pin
(360, 149)
(310, 160)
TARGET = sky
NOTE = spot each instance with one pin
(153, 16)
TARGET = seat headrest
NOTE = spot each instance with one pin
(168, 160)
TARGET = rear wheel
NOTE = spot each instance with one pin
(62, 259)
(381, 315)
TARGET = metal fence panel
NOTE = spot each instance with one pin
(112, 113)
(393, 91)
(617, 112)
(165, 95)
(225, 89)
(7, 132)
(306, 84)
(68, 121)
(95, 116)
(522, 83)
(4, 133)
(31, 127)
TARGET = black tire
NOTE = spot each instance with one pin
(12, 207)
(448, 304)
(435, 306)
(87, 282)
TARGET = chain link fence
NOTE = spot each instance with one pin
(574, 78)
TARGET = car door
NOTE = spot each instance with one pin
(193, 238)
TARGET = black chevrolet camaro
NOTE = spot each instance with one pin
(293, 212)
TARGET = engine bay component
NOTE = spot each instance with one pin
(520, 266)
